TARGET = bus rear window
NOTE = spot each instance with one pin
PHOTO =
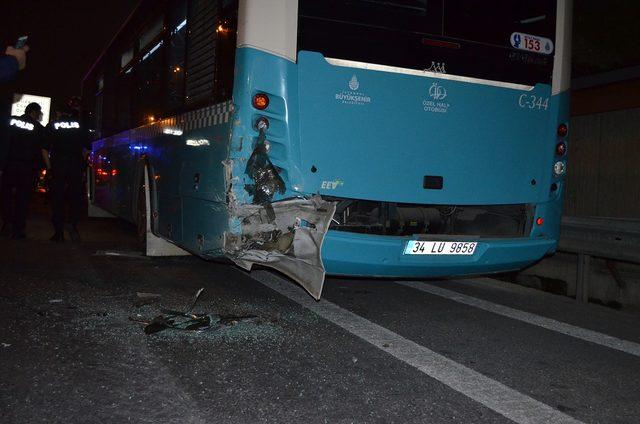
(460, 37)
(493, 21)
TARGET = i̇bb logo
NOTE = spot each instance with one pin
(437, 92)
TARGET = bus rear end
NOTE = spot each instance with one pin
(438, 129)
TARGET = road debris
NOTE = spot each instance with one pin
(178, 322)
(186, 320)
(195, 300)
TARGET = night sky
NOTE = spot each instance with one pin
(65, 37)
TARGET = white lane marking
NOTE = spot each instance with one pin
(529, 318)
(490, 393)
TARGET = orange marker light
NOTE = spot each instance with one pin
(539, 221)
(261, 101)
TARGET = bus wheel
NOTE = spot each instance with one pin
(142, 213)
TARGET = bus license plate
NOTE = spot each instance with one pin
(416, 247)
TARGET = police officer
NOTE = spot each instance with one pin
(68, 144)
(22, 153)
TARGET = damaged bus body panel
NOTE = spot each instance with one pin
(285, 235)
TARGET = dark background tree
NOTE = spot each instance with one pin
(66, 37)
(606, 35)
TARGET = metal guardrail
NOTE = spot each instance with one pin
(601, 237)
(607, 238)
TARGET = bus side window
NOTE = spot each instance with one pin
(149, 73)
(123, 99)
(176, 53)
(168, 60)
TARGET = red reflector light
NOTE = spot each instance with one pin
(563, 130)
(260, 101)
(561, 149)
(539, 222)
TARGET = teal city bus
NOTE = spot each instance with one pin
(396, 138)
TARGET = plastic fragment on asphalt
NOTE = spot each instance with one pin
(195, 300)
(178, 322)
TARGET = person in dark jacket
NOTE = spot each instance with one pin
(68, 145)
(24, 151)
(14, 60)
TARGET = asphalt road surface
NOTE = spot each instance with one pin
(73, 347)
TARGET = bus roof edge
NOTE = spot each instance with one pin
(429, 74)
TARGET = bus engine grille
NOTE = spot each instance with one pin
(403, 219)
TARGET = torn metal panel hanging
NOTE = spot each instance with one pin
(289, 241)
(286, 235)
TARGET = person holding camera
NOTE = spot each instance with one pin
(13, 61)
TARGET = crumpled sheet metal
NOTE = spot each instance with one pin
(266, 180)
(286, 236)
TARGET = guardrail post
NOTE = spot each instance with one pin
(582, 282)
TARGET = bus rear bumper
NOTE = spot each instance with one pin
(354, 254)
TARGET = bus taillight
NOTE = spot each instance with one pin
(561, 148)
(563, 130)
(260, 101)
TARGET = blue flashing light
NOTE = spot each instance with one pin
(138, 148)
